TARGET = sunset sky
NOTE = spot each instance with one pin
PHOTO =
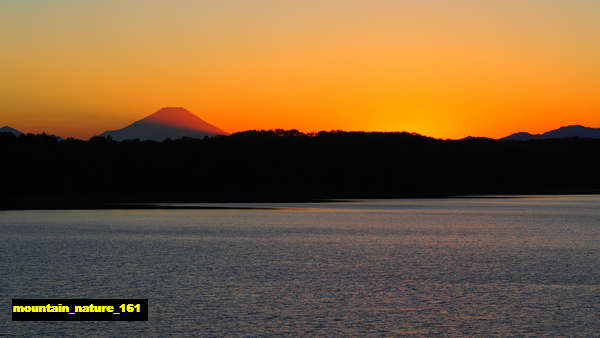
(443, 68)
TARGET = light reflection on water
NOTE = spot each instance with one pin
(458, 266)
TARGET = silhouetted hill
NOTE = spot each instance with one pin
(15, 132)
(521, 136)
(7, 129)
(563, 132)
(475, 138)
(288, 165)
(170, 122)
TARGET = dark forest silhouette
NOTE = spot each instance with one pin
(39, 171)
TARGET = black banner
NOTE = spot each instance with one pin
(80, 309)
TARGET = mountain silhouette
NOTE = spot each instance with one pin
(7, 129)
(563, 132)
(169, 122)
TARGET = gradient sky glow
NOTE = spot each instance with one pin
(443, 68)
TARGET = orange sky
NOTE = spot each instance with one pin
(442, 68)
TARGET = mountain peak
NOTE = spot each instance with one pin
(7, 129)
(180, 117)
(562, 132)
(574, 127)
(172, 110)
(167, 122)
(171, 115)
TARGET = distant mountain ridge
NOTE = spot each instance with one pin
(563, 132)
(7, 129)
(168, 122)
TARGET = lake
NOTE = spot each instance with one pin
(473, 266)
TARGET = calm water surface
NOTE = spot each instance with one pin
(508, 266)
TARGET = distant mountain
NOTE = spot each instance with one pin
(7, 129)
(563, 132)
(13, 131)
(522, 136)
(169, 122)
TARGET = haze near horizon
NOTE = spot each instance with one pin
(442, 69)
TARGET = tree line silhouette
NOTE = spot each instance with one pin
(39, 171)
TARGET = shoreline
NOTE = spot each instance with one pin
(226, 205)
